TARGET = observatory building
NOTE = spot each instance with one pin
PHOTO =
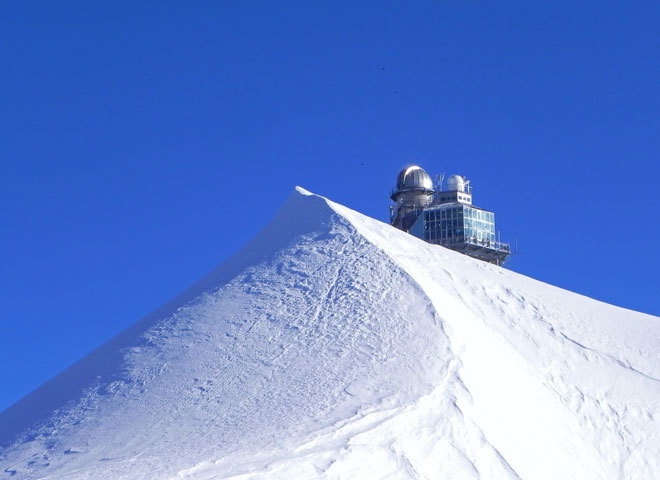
(445, 216)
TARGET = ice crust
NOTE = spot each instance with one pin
(334, 346)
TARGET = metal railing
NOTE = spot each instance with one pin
(499, 246)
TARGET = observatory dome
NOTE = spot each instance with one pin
(456, 183)
(414, 178)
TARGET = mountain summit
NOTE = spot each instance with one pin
(334, 346)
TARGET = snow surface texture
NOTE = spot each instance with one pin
(334, 346)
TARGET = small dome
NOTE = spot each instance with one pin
(456, 183)
(414, 178)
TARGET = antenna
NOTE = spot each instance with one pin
(439, 178)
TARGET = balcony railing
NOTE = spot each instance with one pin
(499, 246)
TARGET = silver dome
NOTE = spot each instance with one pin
(414, 178)
(456, 183)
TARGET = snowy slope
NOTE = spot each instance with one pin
(333, 346)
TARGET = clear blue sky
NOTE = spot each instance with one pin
(142, 143)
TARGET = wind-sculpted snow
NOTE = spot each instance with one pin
(335, 347)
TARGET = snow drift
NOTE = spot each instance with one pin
(334, 346)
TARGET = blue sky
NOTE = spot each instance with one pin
(142, 143)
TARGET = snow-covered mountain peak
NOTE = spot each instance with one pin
(335, 346)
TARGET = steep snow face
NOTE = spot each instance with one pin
(562, 385)
(335, 346)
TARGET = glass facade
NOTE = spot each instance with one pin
(455, 223)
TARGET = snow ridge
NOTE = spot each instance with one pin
(334, 346)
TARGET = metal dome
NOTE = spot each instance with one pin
(414, 178)
(456, 183)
